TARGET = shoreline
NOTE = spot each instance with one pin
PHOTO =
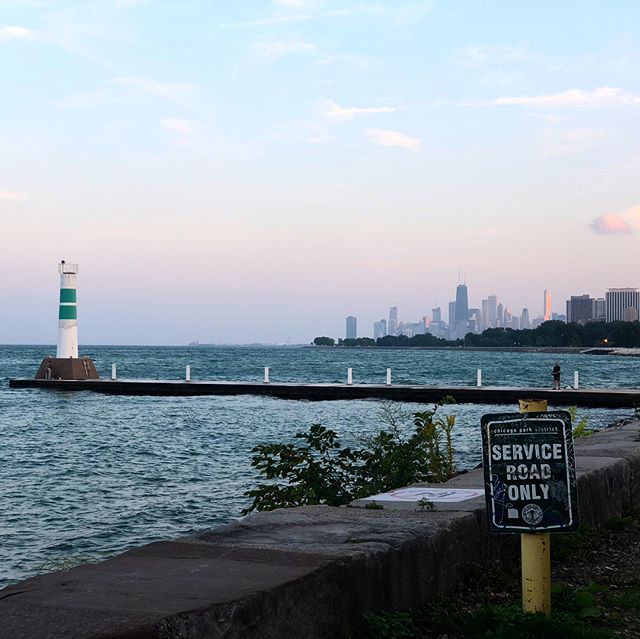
(567, 350)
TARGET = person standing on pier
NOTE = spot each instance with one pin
(556, 376)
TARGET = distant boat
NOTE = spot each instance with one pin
(196, 343)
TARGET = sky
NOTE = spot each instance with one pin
(254, 171)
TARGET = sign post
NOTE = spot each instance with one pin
(530, 488)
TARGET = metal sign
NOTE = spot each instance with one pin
(529, 472)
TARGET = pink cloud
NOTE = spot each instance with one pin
(611, 224)
(12, 195)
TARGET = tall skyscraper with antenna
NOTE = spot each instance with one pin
(462, 303)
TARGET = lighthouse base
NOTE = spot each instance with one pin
(68, 368)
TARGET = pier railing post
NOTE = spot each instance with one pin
(266, 374)
(479, 378)
(349, 376)
(388, 377)
(187, 375)
(576, 379)
(113, 372)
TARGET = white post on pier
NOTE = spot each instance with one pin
(388, 377)
(479, 378)
(266, 374)
(113, 372)
(187, 376)
(576, 379)
(349, 376)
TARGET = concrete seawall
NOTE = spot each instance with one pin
(605, 397)
(307, 572)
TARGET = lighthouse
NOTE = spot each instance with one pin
(68, 312)
(67, 364)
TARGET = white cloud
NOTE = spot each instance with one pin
(128, 90)
(17, 33)
(14, 196)
(397, 13)
(618, 223)
(570, 141)
(337, 112)
(384, 137)
(298, 4)
(600, 97)
(394, 14)
(166, 90)
(633, 216)
(125, 4)
(480, 56)
(610, 224)
(296, 17)
(273, 50)
(177, 124)
(346, 113)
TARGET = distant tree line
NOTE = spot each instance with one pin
(552, 333)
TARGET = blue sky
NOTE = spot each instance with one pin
(253, 171)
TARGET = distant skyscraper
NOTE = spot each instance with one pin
(462, 303)
(506, 318)
(525, 322)
(546, 305)
(623, 304)
(379, 329)
(436, 315)
(392, 326)
(492, 311)
(352, 327)
(600, 310)
(499, 315)
(452, 313)
(580, 308)
(475, 320)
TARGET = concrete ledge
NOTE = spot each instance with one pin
(607, 397)
(306, 572)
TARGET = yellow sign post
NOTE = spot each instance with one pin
(535, 552)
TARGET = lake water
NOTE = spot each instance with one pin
(84, 476)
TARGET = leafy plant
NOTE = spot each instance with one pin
(575, 615)
(581, 428)
(319, 470)
(426, 505)
(390, 625)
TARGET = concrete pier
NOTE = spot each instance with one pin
(300, 573)
(602, 397)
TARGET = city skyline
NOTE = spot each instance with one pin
(615, 304)
(257, 171)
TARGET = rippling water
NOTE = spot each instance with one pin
(84, 475)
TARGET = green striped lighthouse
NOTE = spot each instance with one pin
(68, 311)
(67, 364)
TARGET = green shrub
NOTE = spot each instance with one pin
(319, 470)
